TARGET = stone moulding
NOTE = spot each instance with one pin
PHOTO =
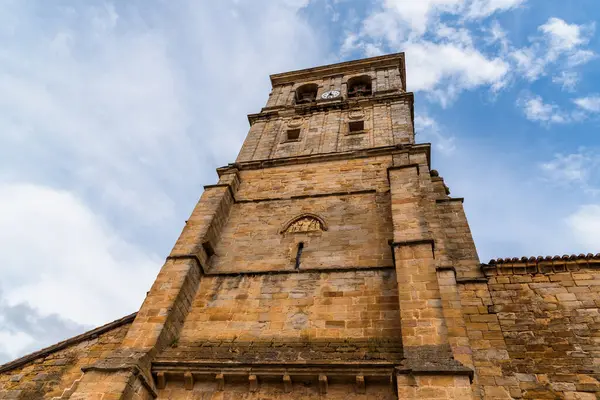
(307, 196)
(540, 265)
(356, 372)
(319, 158)
(172, 368)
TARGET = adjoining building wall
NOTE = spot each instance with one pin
(551, 326)
(50, 373)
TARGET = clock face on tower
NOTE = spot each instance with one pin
(330, 94)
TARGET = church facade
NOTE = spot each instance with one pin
(329, 261)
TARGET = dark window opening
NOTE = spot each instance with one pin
(293, 134)
(208, 249)
(298, 255)
(359, 86)
(356, 126)
(307, 93)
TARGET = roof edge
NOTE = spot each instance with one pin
(566, 257)
(66, 343)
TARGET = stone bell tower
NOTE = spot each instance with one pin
(323, 264)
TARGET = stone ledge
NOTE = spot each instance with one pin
(66, 343)
(188, 257)
(432, 359)
(307, 196)
(325, 105)
(450, 200)
(299, 271)
(415, 242)
(219, 185)
(315, 351)
(325, 157)
(233, 368)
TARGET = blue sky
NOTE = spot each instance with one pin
(113, 115)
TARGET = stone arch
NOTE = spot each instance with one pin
(307, 93)
(360, 85)
(305, 222)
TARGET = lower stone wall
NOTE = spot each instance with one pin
(310, 316)
(54, 373)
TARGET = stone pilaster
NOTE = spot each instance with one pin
(426, 345)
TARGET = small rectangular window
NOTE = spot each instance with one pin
(356, 126)
(293, 134)
(208, 249)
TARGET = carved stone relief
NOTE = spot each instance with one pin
(304, 223)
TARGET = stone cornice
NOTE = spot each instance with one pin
(390, 60)
(320, 106)
(308, 196)
(334, 156)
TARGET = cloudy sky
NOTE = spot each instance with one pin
(114, 114)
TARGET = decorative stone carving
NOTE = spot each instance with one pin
(295, 123)
(356, 114)
(304, 223)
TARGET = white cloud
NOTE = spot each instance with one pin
(575, 169)
(400, 25)
(585, 226)
(455, 35)
(463, 68)
(58, 256)
(567, 80)
(484, 8)
(535, 109)
(528, 62)
(427, 129)
(560, 43)
(398, 19)
(564, 37)
(13, 343)
(589, 103)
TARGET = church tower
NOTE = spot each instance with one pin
(322, 265)
(330, 262)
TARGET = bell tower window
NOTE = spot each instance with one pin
(359, 86)
(292, 135)
(307, 93)
(356, 127)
